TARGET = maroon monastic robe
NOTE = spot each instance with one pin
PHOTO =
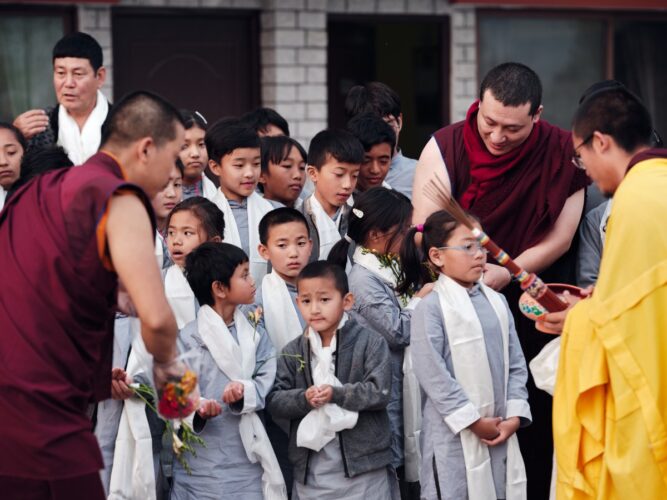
(57, 303)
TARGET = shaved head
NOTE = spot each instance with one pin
(141, 114)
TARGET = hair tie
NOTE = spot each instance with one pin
(348, 239)
(419, 228)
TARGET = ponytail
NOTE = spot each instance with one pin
(413, 272)
(338, 254)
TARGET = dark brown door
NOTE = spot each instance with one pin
(200, 59)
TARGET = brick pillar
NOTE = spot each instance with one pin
(294, 59)
(463, 62)
(96, 21)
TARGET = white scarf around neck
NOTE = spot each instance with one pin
(132, 472)
(320, 426)
(159, 249)
(257, 208)
(3, 196)
(237, 362)
(281, 319)
(327, 228)
(82, 144)
(208, 189)
(180, 296)
(470, 360)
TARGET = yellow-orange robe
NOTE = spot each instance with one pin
(610, 401)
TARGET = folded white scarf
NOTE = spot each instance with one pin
(258, 207)
(327, 228)
(133, 473)
(281, 319)
(180, 296)
(237, 362)
(321, 424)
(3, 196)
(208, 188)
(82, 144)
(604, 221)
(471, 365)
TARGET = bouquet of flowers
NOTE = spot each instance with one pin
(174, 403)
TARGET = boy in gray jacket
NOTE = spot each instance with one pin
(333, 384)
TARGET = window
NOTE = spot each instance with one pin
(27, 37)
(571, 50)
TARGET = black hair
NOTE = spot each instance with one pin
(282, 215)
(180, 166)
(259, 120)
(39, 160)
(372, 130)
(193, 119)
(80, 45)
(414, 259)
(380, 209)
(335, 143)
(141, 114)
(617, 112)
(17, 134)
(226, 135)
(375, 97)
(513, 84)
(277, 148)
(208, 213)
(211, 262)
(324, 269)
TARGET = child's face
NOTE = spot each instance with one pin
(238, 172)
(165, 201)
(464, 265)
(334, 183)
(11, 153)
(193, 154)
(184, 234)
(284, 181)
(321, 304)
(375, 167)
(241, 288)
(288, 249)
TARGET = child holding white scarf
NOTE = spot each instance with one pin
(333, 384)
(379, 221)
(469, 363)
(236, 369)
(234, 157)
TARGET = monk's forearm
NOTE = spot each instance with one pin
(536, 259)
(159, 332)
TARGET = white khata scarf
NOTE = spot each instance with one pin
(3, 196)
(133, 473)
(605, 221)
(237, 362)
(281, 319)
(208, 189)
(258, 207)
(327, 228)
(82, 144)
(469, 357)
(321, 424)
(180, 296)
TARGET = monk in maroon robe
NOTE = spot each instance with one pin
(66, 238)
(515, 173)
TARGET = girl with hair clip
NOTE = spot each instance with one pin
(194, 156)
(470, 366)
(378, 223)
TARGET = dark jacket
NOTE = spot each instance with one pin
(363, 366)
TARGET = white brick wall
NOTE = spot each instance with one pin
(294, 63)
(463, 67)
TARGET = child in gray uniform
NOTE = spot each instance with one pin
(467, 358)
(333, 384)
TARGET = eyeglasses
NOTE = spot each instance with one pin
(469, 248)
(576, 159)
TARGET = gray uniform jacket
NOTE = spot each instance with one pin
(363, 367)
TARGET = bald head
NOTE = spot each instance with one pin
(138, 115)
